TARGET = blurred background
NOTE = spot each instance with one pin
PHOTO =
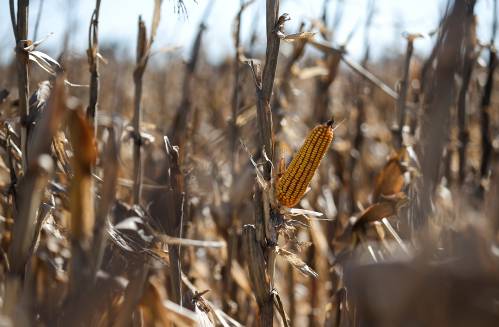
(129, 157)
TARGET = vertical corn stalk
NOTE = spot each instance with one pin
(265, 83)
(137, 113)
(265, 231)
(469, 57)
(485, 103)
(371, 10)
(278, 108)
(291, 283)
(143, 54)
(233, 132)
(20, 27)
(284, 88)
(108, 194)
(24, 233)
(404, 85)
(259, 277)
(440, 93)
(313, 289)
(332, 61)
(93, 61)
(81, 199)
(179, 125)
(30, 188)
(236, 89)
(167, 207)
(174, 219)
(322, 98)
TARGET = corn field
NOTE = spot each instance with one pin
(288, 185)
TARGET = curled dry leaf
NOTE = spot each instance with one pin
(391, 178)
(388, 207)
(309, 214)
(46, 62)
(296, 262)
(279, 26)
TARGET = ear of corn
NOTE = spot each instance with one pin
(293, 183)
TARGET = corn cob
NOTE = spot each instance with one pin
(294, 181)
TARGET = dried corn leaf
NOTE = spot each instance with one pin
(59, 146)
(306, 213)
(38, 101)
(391, 178)
(296, 262)
(221, 316)
(296, 36)
(180, 315)
(155, 19)
(137, 240)
(203, 318)
(170, 240)
(45, 62)
(280, 308)
(386, 208)
(155, 310)
(395, 235)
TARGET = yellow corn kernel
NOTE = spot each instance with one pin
(293, 183)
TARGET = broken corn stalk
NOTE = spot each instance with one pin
(293, 183)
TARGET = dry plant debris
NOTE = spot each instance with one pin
(158, 196)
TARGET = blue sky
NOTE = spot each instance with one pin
(119, 22)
